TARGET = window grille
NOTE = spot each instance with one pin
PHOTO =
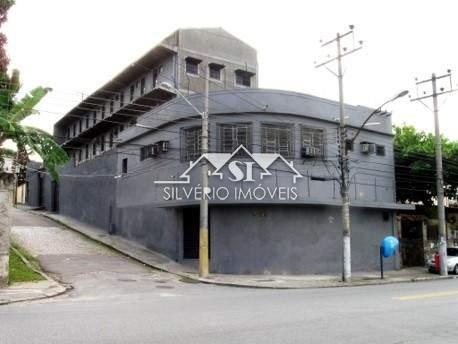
(312, 142)
(191, 143)
(231, 136)
(277, 139)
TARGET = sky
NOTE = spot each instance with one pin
(76, 46)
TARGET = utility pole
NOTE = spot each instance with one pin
(203, 219)
(203, 231)
(439, 172)
(343, 153)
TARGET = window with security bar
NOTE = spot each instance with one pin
(191, 143)
(276, 138)
(231, 136)
(312, 140)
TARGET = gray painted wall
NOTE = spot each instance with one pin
(87, 191)
(297, 240)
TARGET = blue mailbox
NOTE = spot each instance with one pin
(388, 248)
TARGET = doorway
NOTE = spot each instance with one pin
(191, 224)
(412, 246)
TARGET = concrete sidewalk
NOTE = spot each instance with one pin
(163, 263)
(29, 291)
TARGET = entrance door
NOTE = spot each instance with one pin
(191, 226)
(412, 249)
(55, 196)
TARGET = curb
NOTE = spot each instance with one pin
(62, 288)
(333, 284)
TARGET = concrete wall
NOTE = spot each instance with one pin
(87, 191)
(156, 228)
(293, 240)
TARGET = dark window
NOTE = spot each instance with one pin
(86, 152)
(94, 148)
(191, 143)
(111, 139)
(215, 71)
(102, 143)
(155, 75)
(312, 141)
(243, 78)
(111, 106)
(231, 136)
(277, 139)
(148, 152)
(87, 121)
(80, 153)
(380, 150)
(94, 118)
(103, 111)
(80, 126)
(68, 132)
(121, 99)
(349, 145)
(124, 165)
(74, 129)
(132, 92)
(142, 86)
(192, 65)
(453, 252)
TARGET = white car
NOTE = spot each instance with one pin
(452, 261)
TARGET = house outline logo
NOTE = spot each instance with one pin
(219, 160)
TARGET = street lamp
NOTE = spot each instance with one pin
(344, 178)
(377, 110)
(203, 223)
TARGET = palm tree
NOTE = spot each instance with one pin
(27, 140)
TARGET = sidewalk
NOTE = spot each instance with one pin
(28, 291)
(163, 263)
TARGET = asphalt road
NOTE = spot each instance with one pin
(140, 306)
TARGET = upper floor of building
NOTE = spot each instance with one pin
(181, 60)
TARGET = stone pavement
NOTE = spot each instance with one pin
(163, 263)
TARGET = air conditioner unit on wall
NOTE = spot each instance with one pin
(367, 148)
(164, 146)
(154, 150)
(310, 152)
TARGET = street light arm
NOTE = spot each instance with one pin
(168, 86)
(377, 110)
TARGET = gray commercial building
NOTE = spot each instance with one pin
(274, 201)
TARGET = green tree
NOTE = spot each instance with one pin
(415, 166)
(27, 139)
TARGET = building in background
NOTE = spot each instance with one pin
(274, 195)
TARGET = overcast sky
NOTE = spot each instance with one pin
(76, 46)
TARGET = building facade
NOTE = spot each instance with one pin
(273, 194)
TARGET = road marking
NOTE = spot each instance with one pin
(426, 296)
